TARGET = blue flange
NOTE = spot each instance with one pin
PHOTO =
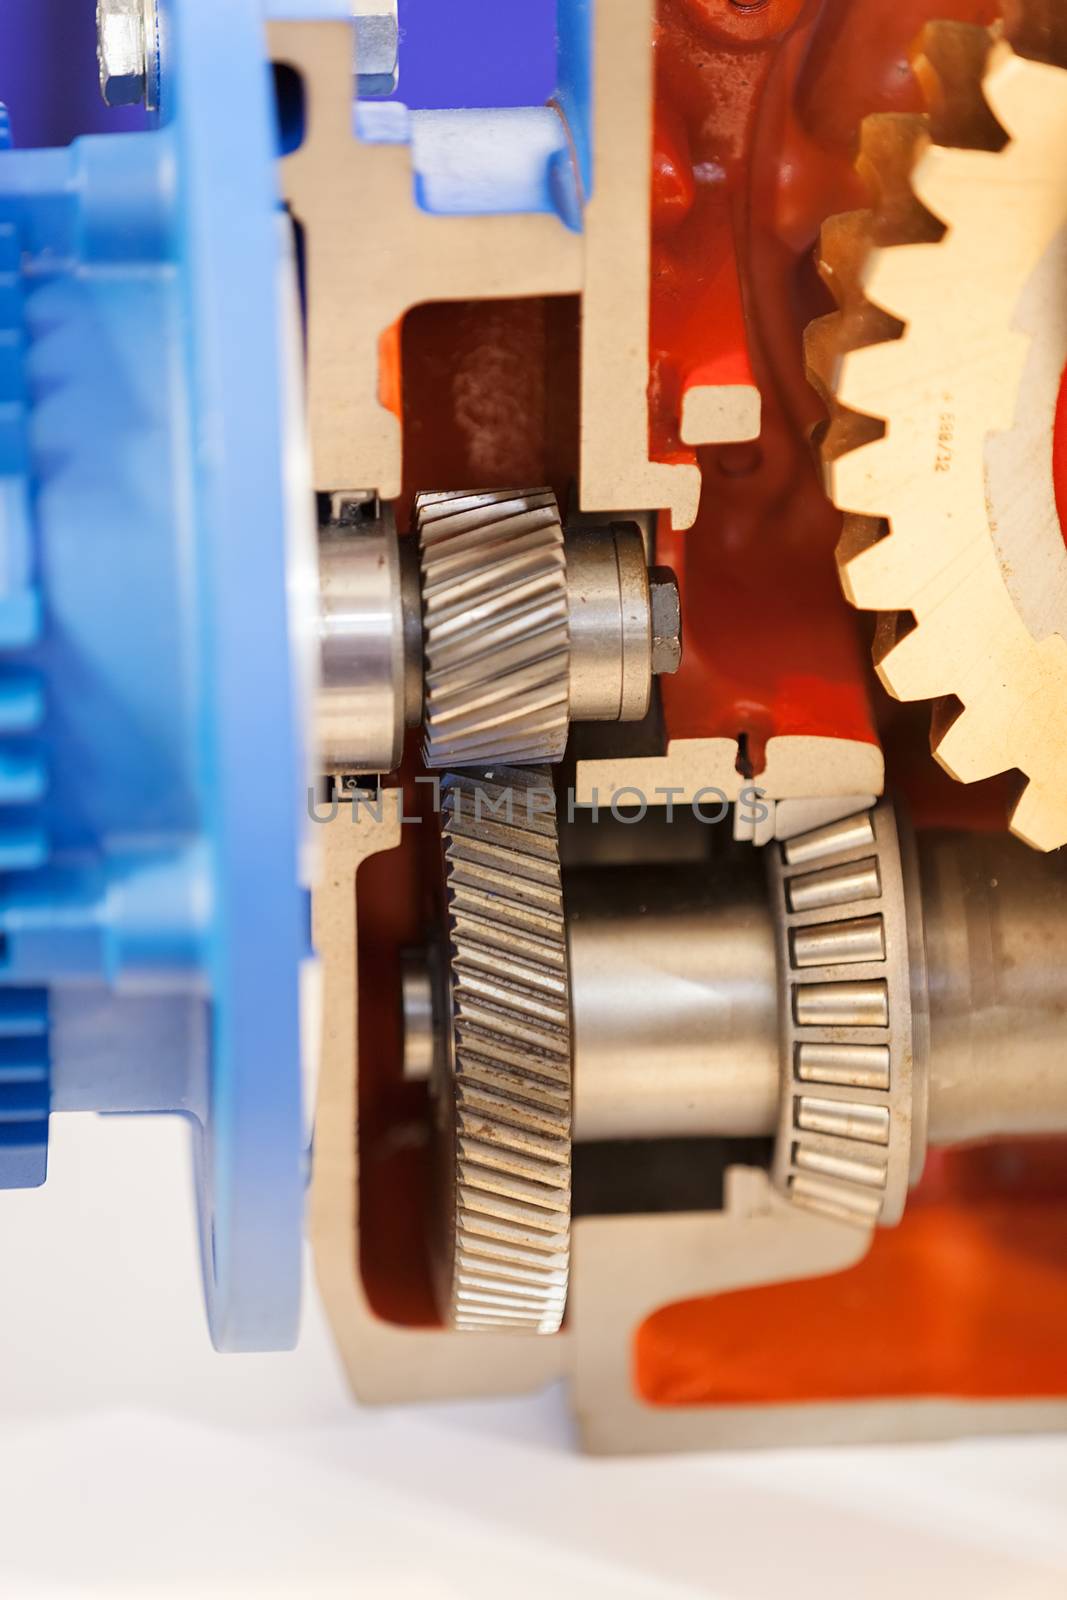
(151, 771)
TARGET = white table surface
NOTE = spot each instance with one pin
(136, 1462)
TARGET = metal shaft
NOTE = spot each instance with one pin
(371, 644)
(674, 993)
(610, 618)
(995, 916)
(477, 646)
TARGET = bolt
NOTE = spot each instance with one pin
(126, 51)
(377, 46)
(666, 612)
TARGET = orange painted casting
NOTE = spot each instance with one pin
(758, 108)
(966, 1299)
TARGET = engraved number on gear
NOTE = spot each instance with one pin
(946, 428)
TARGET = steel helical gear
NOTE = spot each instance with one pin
(496, 633)
(941, 369)
(504, 1102)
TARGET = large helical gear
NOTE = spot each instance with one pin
(504, 1099)
(942, 369)
(496, 632)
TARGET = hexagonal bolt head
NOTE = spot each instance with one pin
(377, 27)
(666, 611)
(121, 51)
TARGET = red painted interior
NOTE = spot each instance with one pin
(966, 1299)
(758, 111)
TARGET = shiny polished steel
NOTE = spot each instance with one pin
(675, 998)
(494, 601)
(609, 608)
(421, 1022)
(850, 1073)
(666, 610)
(995, 919)
(527, 631)
(835, 886)
(502, 1093)
(827, 944)
(488, 627)
(680, 976)
(126, 50)
(377, 29)
(368, 692)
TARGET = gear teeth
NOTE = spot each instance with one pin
(905, 669)
(890, 274)
(961, 743)
(497, 638)
(511, 1051)
(950, 65)
(1024, 94)
(1037, 29)
(843, 250)
(904, 448)
(849, 244)
(1038, 817)
(891, 144)
(877, 369)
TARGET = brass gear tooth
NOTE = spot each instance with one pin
(1037, 29)
(890, 145)
(859, 537)
(939, 526)
(844, 430)
(507, 1099)
(1024, 94)
(906, 667)
(845, 242)
(960, 742)
(950, 65)
(1038, 817)
(845, 245)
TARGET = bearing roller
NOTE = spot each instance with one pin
(849, 1079)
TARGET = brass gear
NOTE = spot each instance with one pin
(941, 370)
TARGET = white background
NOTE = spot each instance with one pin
(136, 1462)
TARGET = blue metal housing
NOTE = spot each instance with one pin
(154, 923)
(151, 769)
